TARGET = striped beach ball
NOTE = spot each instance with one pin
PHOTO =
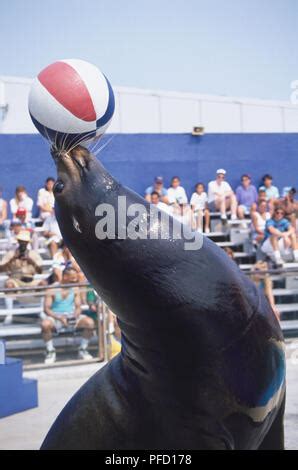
(71, 102)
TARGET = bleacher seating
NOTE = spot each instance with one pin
(25, 332)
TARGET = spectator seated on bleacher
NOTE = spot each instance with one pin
(28, 225)
(45, 199)
(259, 218)
(272, 193)
(247, 197)
(63, 259)
(21, 266)
(289, 205)
(199, 205)
(15, 228)
(176, 193)
(221, 196)
(52, 233)
(159, 188)
(155, 200)
(261, 195)
(21, 201)
(229, 252)
(178, 200)
(280, 239)
(3, 212)
(93, 302)
(62, 309)
(264, 282)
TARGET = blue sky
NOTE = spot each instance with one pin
(227, 47)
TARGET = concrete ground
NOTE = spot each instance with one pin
(27, 430)
(56, 386)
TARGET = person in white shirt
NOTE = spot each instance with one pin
(199, 205)
(259, 219)
(221, 196)
(178, 200)
(45, 199)
(52, 233)
(155, 200)
(21, 201)
(176, 193)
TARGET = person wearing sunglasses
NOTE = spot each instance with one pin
(280, 238)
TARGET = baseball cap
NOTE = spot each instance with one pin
(220, 171)
(23, 236)
(158, 179)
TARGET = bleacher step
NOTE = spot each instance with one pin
(285, 291)
(287, 308)
(287, 325)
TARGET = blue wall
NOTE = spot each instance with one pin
(135, 159)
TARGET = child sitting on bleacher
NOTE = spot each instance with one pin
(199, 205)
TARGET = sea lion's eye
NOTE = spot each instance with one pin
(58, 187)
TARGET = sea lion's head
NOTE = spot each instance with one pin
(82, 183)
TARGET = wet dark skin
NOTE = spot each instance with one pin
(202, 360)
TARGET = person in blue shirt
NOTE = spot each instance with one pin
(280, 238)
(159, 188)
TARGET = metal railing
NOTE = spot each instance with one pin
(20, 294)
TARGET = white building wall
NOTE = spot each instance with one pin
(149, 111)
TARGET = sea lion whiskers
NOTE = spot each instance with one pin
(47, 134)
(64, 138)
(74, 143)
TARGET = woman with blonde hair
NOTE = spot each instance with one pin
(21, 201)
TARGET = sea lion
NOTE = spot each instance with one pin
(202, 364)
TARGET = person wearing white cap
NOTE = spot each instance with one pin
(221, 196)
(21, 265)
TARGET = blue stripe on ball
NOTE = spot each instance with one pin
(110, 109)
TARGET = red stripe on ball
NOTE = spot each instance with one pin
(64, 83)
